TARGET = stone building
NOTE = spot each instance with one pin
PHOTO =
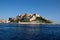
(4, 21)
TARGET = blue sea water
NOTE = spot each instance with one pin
(29, 32)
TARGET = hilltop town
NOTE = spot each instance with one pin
(27, 19)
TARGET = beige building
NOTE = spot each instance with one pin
(36, 15)
(4, 21)
(33, 18)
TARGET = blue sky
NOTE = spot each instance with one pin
(49, 9)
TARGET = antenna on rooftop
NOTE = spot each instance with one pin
(18, 10)
(35, 10)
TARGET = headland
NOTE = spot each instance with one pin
(27, 19)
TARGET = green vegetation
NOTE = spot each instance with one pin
(42, 20)
(27, 17)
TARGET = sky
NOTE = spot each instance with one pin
(49, 9)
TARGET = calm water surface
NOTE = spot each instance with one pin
(29, 32)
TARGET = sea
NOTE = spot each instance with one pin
(29, 31)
